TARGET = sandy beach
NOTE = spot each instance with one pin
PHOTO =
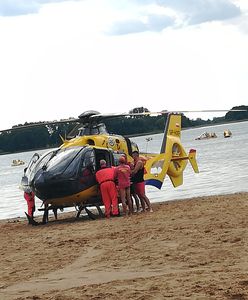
(186, 249)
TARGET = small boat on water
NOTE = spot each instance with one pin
(17, 162)
(227, 133)
(207, 135)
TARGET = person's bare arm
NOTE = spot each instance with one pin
(138, 166)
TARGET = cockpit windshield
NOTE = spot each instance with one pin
(40, 163)
(66, 160)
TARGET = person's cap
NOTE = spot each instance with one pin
(122, 159)
(103, 162)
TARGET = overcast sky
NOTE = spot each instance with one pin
(60, 58)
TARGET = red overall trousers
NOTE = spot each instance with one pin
(29, 197)
(105, 177)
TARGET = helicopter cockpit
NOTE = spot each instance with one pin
(65, 171)
(92, 130)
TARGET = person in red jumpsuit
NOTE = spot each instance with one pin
(105, 178)
(29, 197)
(122, 174)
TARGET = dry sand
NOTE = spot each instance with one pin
(189, 249)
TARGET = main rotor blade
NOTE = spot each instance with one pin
(117, 115)
(163, 112)
(16, 127)
(208, 110)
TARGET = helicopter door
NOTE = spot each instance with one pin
(103, 154)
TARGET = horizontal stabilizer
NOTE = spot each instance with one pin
(192, 160)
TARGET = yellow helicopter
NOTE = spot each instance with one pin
(65, 177)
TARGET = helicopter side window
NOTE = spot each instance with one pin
(102, 129)
(94, 131)
(88, 164)
(83, 131)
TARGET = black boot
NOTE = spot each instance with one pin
(31, 221)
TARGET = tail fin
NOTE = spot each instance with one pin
(172, 128)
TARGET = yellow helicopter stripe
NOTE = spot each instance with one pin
(80, 198)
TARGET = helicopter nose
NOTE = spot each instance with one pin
(39, 181)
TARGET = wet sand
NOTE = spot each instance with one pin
(186, 249)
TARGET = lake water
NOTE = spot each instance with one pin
(223, 165)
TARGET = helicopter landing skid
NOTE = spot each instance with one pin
(90, 214)
(46, 212)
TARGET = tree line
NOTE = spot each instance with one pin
(44, 136)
